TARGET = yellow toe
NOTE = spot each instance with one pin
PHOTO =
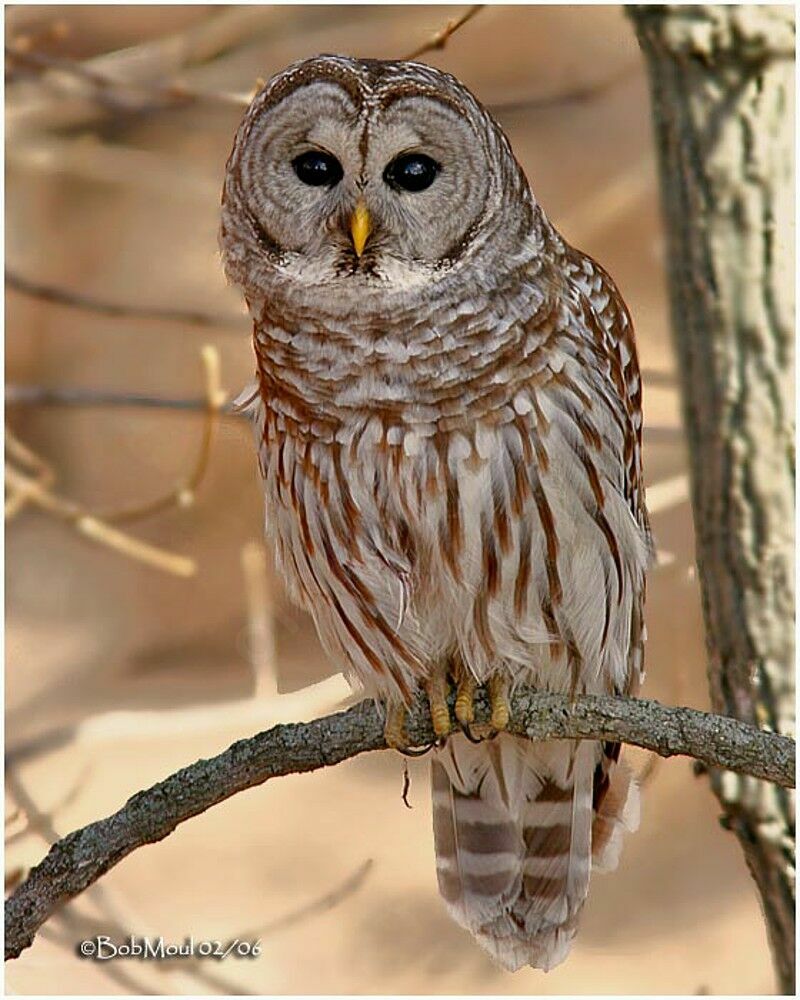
(498, 698)
(465, 700)
(438, 688)
(394, 730)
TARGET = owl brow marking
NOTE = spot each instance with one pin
(324, 69)
(363, 140)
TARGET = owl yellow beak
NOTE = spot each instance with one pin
(360, 226)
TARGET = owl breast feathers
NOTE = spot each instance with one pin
(448, 416)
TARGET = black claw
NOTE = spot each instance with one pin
(467, 731)
(408, 752)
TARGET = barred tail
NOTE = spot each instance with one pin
(513, 830)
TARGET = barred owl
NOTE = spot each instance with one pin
(448, 417)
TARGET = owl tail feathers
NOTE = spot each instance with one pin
(616, 815)
(513, 831)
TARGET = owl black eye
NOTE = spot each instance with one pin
(411, 172)
(317, 168)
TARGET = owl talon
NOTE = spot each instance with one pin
(465, 699)
(465, 707)
(438, 688)
(498, 699)
(394, 730)
(394, 733)
(417, 751)
(466, 729)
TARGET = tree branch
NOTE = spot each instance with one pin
(45, 395)
(76, 300)
(722, 85)
(82, 857)
(441, 37)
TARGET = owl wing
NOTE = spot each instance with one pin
(518, 825)
(613, 349)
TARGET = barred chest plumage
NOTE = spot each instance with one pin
(448, 492)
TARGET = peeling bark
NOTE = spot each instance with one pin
(722, 83)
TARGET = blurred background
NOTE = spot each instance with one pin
(144, 628)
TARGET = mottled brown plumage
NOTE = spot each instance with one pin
(448, 416)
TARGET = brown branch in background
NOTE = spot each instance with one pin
(137, 79)
(120, 97)
(41, 395)
(81, 858)
(163, 73)
(75, 300)
(12, 815)
(722, 82)
(40, 822)
(623, 192)
(94, 161)
(260, 604)
(184, 492)
(44, 34)
(575, 95)
(40, 474)
(328, 901)
(29, 480)
(67, 926)
(443, 35)
(106, 91)
(94, 529)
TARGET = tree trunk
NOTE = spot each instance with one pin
(722, 82)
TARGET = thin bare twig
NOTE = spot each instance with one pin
(32, 486)
(184, 492)
(440, 38)
(80, 859)
(95, 529)
(40, 474)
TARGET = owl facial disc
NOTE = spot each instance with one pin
(375, 178)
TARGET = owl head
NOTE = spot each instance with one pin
(370, 179)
